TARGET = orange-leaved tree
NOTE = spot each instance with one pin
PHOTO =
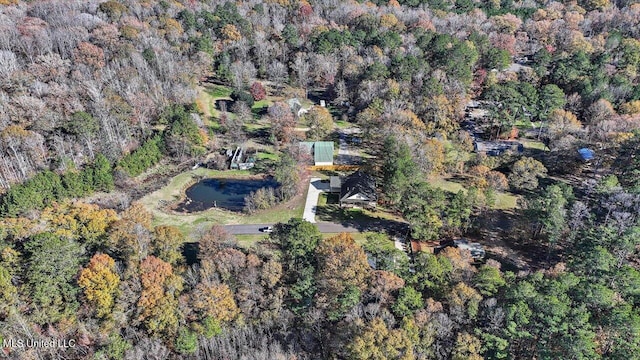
(158, 301)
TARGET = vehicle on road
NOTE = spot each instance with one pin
(266, 229)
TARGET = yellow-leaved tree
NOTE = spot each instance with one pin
(215, 301)
(378, 342)
(100, 282)
(343, 272)
(168, 240)
(85, 222)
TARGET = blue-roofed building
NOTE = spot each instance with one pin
(586, 154)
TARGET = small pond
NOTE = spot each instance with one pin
(222, 193)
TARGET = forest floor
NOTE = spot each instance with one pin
(500, 233)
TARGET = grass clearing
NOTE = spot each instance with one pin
(261, 104)
(523, 124)
(247, 241)
(504, 200)
(342, 124)
(447, 185)
(534, 144)
(255, 127)
(157, 204)
(219, 91)
(206, 101)
(266, 155)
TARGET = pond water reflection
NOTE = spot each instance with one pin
(223, 193)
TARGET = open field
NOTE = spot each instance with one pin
(158, 203)
(447, 185)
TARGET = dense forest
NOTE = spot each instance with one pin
(96, 95)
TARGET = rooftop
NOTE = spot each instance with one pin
(359, 183)
(586, 154)
(323, 152)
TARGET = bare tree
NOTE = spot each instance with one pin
(301, 67)
(277, 72)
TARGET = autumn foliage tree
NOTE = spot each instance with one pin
(8, 292)
(130, 236)
(525, 173)
(87, 223)
(90, 55)
(562, 123)
(215, 301)
(257, 91)
(157, 305)
(100, 282)
(378, 342)
(167, 244)
(343, 271)
(319, 121)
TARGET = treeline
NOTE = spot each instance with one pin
(144, 157)
(299, 294)
(48, 186)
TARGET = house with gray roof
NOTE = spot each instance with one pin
(358, 190)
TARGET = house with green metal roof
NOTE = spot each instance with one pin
(322, 151)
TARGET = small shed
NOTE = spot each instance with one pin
(322, 151)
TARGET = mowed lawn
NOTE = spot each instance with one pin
(207, 96)
(329, 210)
(158, 201)
(504, 200)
